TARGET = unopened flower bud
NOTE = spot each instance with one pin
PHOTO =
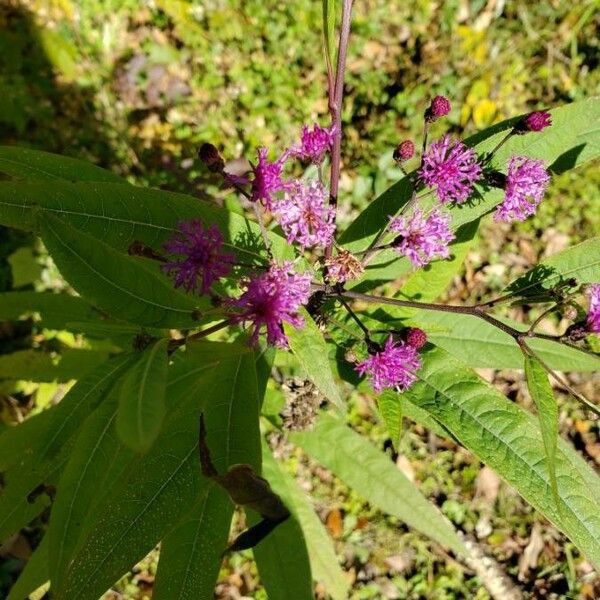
(416, 338)
(404, 151)
(440, 106)
(537, 120)
(351, 356)
(210, 156)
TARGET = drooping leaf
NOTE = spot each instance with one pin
(35, 165)
(372, 475)
(309, 347)
(142, 398)
(324, 563)
(389, 404)
(35, 452)
(122, 285)
(508, 439)
(155, 491)
(547, 407)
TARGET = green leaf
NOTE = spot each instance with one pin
(142, 398)
(35, 574)
(508, 439)
(122, 285)
(547, 407)
(372, 475)
(581, 261)
(34, 165)
(150, 496)
(35, 452)
(329, 18)
(573, 125)
(324, 563)
(119, 214)
(309, 347)
(190, 555)
(282, 561)
(389, 404)
(36, 365)
(481, 345)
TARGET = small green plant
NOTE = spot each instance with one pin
(161, 439)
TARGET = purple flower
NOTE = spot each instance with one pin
(305, 216)
(267, 177)
(526, 182)
(451, 168)
(271, 298)
(202, 261)
(439, 107)
(315, 144)
(393, 366)
(593, 316)
(422, 238)
(537, 120)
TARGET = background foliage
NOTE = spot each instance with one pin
(135, 87)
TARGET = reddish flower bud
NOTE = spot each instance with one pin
(210, 156)
(416, 338)
(404, 151)
(440, 106)
(537, 120)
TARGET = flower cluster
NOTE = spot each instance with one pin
(273, 295)
(422, 238)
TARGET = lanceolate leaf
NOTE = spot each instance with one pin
(190, 556)
(34, 165)
(142, 398)
(148, 499)
(119, 214)
(508, 439)
(309, 347)
(581, 262)
(35, 452)
(361, 466)
(389, 404)
(122, 285)
(324, 563)
(541, 393)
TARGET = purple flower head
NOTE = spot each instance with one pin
(271, 298)
(202, 261)
(451, 168)
(593, 316)
(315, 144)
(526, 182)
(537, 120)
(404, 150)
(393, 366)
(422, 238)
(305, 216)
(267, 177)
(439, 107)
